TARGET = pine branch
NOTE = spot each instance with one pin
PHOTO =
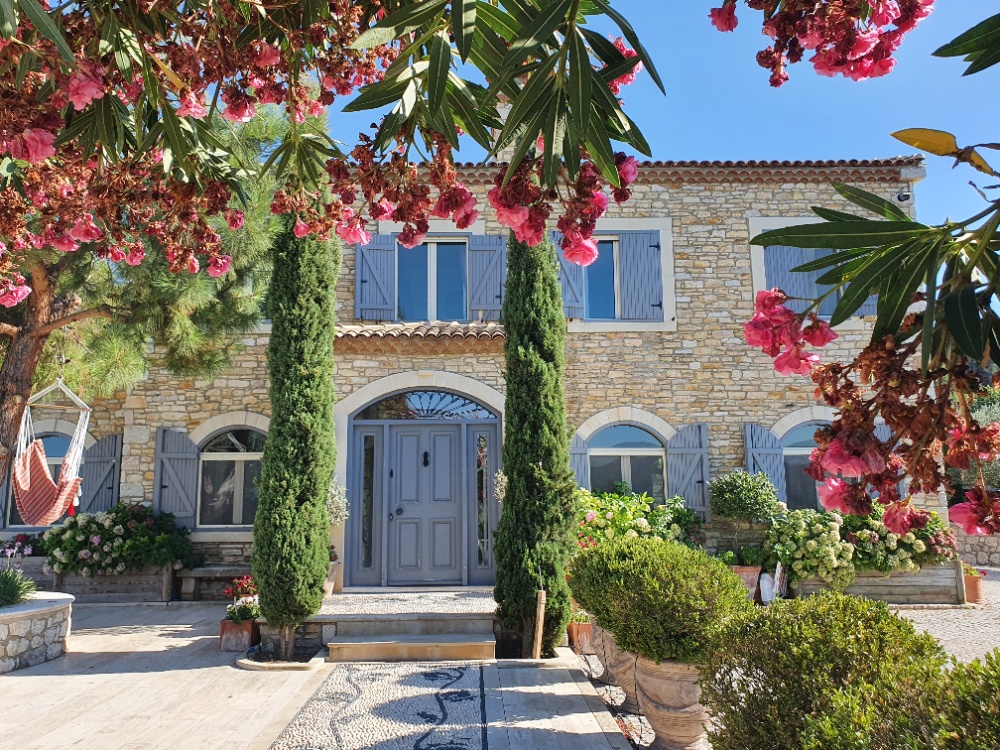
(94, 312)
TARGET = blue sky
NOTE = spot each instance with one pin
(719, 104)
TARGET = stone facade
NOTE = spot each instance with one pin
(34, 632)
(978, 550)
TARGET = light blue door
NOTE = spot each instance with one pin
(424, 520)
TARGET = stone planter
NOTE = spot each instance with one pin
(750, 575)
(238, 636)
(622, 665)
(34, 631)
(581, 637)
(333, 583)
(599, 640)
(670, 699)
(974, 590)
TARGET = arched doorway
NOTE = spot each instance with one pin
(421, 465)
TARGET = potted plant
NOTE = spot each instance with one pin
(337, 510)
(15, 587)
(751, 559)
(580, 632)
(330, 584)
(665, 605)
(973, 584)
(240, 629)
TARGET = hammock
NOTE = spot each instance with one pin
(40, 500)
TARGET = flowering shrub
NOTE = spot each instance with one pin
(127, 537)
(14, 587)
(808, 544)
(878, 548)
(246, 603)
(974, 572)
(612, 516)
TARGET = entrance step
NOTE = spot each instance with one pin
(430, 623)
(437, 647)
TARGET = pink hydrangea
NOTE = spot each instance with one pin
(724, 18)
(33, 146)
(591, 515)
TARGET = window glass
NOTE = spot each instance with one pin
(367, 499)
(411, 295)
(624, 436)
(426, 405)
(230, 468)
(600, 284)
(218, 493)
(801, 487)
(251, 474)
(236, 441)
(451, 281)
(801, 436)
(482, 500)
(605, 473)
(647, 475)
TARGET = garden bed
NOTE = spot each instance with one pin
(933, 584)
(150, 584)
(34, 631)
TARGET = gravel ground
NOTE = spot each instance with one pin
(467, 601)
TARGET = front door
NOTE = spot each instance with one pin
(425, 505)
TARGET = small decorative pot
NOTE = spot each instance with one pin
(600, 640)
(581, 637)
(974, 590)
(670, 699)
(622, 665)
(238, 636)
(331, 585)
(750, 575)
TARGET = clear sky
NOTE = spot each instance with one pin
(719, 104)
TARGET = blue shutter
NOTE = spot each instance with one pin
(779, 260)
(641, 277)
(687, 468)
(579, 462)
(101, 474)
(375, 279)
(175, 476)
(487, 275)
(571, 280)
(764, 454)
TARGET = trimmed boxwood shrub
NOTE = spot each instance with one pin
(660, 599)
(744, 498)
(781, 668)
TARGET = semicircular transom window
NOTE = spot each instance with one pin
(426, 405)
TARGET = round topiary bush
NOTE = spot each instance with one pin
(775, 672)
(744, 498)
(660, 599)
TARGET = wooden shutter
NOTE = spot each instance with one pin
(572, 281)
(487, 275)
(5, 493)
(175, 476)
(101, 473)
(579, 462)
(375, 279)
(779, 260)
(640, 276)
(687, 468)
(764, 454)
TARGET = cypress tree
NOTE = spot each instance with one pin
(533, 540)
(291, 531)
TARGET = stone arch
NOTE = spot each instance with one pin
(230, 419)
(800, 416)
(62, 426)
(626, 415)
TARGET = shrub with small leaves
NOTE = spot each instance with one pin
(877, 548)
(336, 503)
(611, 515)
(752, 556)
(744, 498)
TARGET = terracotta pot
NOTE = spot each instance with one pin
(581, 636)
(238, 636)
(600, 638)
(331, 585)
(974, 590)
(750, 575)
(622, 665)
(670, 699)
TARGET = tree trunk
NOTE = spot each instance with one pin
(17, 372)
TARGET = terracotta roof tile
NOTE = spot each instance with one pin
(421, 331)
(892, 162)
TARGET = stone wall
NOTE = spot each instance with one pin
(34, 632)
(977, 550)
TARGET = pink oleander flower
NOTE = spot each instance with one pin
(512, 217)
(85, 85)
(410, 237)
(381, 209)
(193, 265)
(771, 304)
(628, 169)
(14, 293)
(599, 204)
(967, 516)
(63, 242)
(235, 219)
(266, 55)
(902, 518)
(350, 230)
(136, 254)
(853, 461)
(239, 106)
(116, 253)
(795, 361)
(724, 18)
(818, 333)
(85, 230)
(301, 229)
(759, 331)
(834, 493)
(581, 250)
(219, 265)
(33, 146)
(191, 106)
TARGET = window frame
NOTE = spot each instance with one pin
(625, 455)
(239, 476)
(432, 242)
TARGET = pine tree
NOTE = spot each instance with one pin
(291, 531)
(534, 535)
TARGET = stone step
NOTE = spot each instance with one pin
(335, 626)
(439, 647)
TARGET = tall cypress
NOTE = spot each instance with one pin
(533, 540)
(291, 531)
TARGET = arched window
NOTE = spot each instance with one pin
(796, 445)
(625, 453)
(227, 477)
(56, 444)
(425, 405)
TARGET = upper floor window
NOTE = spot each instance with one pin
(229, 467)
(435, 282)
(779, 262)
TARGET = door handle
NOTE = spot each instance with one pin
(427, 458)
(392, 517)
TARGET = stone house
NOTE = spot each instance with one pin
(661, 389)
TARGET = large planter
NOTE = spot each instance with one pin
(750, 575)
(600, 639)
(932, 584)
(622, 666)
(974, 590)
(671, 701)
(238, 636)
(148, 584)
(35, 630)
(581, 637)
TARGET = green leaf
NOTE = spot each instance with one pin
(502, 23)
(535, 34)
(983, 60)
(43, 22)
(868, 274)
(172, 130)
(539, 89)
(581, 79)
(930, 312)
(403, 21)
(995, 339)
(833, 259)
(961, 309)
(464, 105)
(437, 72)
(831, 215)
(633, 39)
(463, 25)
(8, 19)
(872, 202)
(599, 148)
(379, 94)
(555, 128)
(976, 39)
(843, 235)
(897, 295)
(528, 132)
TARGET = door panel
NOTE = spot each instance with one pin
(425, 513)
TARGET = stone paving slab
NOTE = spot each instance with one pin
(395, 602)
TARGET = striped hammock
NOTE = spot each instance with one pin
(40, 499)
